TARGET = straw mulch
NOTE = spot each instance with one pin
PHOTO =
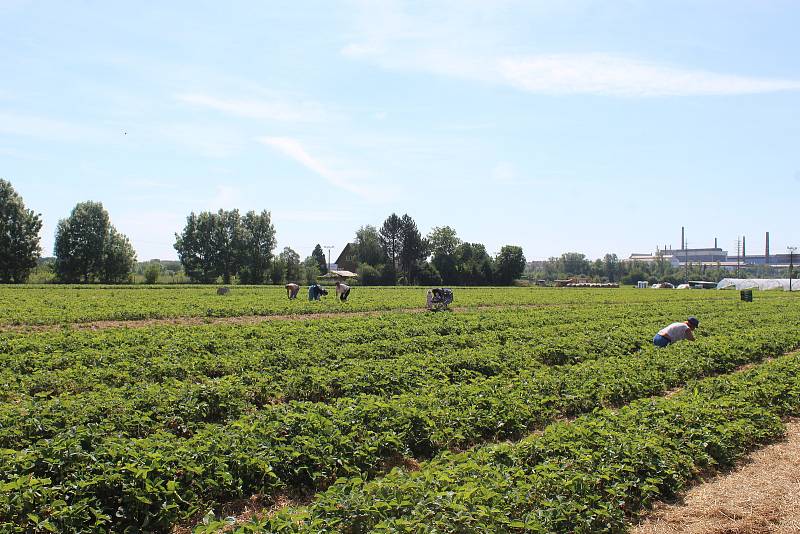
(761, 496)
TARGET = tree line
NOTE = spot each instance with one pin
(232, 247)
(227, 245)
(398, 253)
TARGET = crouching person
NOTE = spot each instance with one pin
(439, 298)
(676, 332)
(316, 291)
(292, 290)
(342, 291)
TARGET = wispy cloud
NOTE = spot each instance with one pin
(295, 150)
(604, 74)
(274, 108)
(434, 42)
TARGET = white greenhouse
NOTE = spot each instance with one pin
(758, 283)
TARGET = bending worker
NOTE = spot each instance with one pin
(676, 332)
(291, 290)
(342, 291)
(315, 292)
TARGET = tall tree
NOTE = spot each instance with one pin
(575, 263)
(443, 242)
(309, 270)
(391, 239)
(368, 246)
(118, 258)
(319, 255)
(291, 260)
(19, 236)
(196, 250)
(414, 248)
(509, 264)
(227, 239)
(552, 268)
(473, 264)
(89, 248)
(277, 271)
(257, 244)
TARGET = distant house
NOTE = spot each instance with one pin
(338, 276)
(348, 260)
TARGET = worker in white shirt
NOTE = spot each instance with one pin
(342, 291)
(291, 290)
(676, 332)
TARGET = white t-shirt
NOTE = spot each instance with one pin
(675, 332)
(341, 288)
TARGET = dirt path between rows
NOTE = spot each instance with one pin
(257, 319)
(760, 496)
(251, 319)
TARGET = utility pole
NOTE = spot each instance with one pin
(685, 258)
(329, 247)
(791, 264)
(738, 255)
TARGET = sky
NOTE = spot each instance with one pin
(587, 126)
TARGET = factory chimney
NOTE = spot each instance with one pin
(766, 251)
(682, 239)
(744, 254)
(715, 242)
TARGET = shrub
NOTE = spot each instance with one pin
(368, 275)
(152, 272)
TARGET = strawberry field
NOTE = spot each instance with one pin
(526, 410)
(48, 304)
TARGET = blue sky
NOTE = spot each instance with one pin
(558, 126)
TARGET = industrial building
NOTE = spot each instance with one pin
(715, 256)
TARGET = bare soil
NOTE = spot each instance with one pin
(243, 510)
(244, 319)
(195, 321)
(760, 496)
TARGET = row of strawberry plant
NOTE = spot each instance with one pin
(87, 475)
(137, 408)
(181, 406)
(588, 476)
(74, 304)
(77, 361)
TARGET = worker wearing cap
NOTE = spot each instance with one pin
(676, 332)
